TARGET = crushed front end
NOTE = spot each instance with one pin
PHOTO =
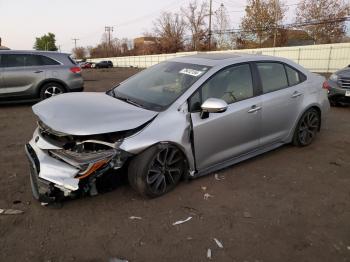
(62, 165)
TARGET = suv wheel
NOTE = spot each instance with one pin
(51, 89)
(157, 170)
(307, 128)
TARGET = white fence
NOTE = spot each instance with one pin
(317, 58)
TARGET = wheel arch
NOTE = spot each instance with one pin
(50, 80)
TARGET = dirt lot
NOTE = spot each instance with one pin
(292, 204)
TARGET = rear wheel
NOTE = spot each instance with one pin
(307, 128)
(51, 89)
(157, 170)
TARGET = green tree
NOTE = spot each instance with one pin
(46, 42)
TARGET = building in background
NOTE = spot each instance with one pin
(145, 45)
(3, 47)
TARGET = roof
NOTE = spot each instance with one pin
(29, 52)
(213, 59)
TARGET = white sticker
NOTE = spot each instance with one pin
(190, 72)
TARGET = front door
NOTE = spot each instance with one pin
(223, 136)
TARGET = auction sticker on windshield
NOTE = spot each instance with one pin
(191, 72)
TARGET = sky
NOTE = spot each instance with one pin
(23, 20)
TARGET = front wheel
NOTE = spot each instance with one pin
(307, 128)
(51, 89)
(157, 170)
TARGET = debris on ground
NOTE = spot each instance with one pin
(15, 202)
(246, 214)
(134, 217)
(220, 245)
(209, 253)
(114, 259)
(335, 163)
(217, 177)
(10, 212)
(182, 221)
(204, 188)
(207, 195)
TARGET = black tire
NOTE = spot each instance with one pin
(307, 128)
(334, 102)
(51, 89)
(149, 172)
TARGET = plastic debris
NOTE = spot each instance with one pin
(114, 259)
(207, 195)
(182, 221)
(220, 245)
(217, 177)
(204, 188)
(209, 253)
(246, 214)
(10, 211)
(133, 218)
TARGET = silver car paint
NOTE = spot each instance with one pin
(25, 82)
(211, 135)
(66, 113)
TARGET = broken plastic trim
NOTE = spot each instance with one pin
(84, 159)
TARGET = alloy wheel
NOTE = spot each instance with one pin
(165, 170)
(52, 91)
(308, 127)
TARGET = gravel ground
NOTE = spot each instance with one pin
(291, 204)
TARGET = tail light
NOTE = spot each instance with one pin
(326, 85)
(75, 70)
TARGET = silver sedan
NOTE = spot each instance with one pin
(182, 118)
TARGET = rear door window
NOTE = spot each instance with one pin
(273, 76)
(13, 60)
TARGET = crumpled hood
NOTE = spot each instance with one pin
(90, 113)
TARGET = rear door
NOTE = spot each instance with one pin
(223, 136)
(21, 74)
(283, 94)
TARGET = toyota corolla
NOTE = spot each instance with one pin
(182, 118)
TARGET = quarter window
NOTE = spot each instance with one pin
(293, 76)
(273, 76)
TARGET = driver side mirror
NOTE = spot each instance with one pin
(213, 105)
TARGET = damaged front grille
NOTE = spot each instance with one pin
(83, 143)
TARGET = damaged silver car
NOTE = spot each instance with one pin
(182, 118)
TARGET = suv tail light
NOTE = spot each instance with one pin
(326, 85)
(75, 70)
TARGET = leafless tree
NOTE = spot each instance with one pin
(80, 52)
(196, 15)
(325, 18)
(170, 29)
(221, 25)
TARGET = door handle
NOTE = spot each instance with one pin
(39, 71)
(254, 108)
(296, 94)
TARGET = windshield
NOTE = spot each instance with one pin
(159, 86)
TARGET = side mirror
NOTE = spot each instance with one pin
(213, 105)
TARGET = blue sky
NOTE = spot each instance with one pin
(23, 20)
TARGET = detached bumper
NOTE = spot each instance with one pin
(47, 174)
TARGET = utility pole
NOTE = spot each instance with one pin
(275, 31)
(108, 30)
(209, 35)
(75, 42)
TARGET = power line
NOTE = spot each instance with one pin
(291, 25)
